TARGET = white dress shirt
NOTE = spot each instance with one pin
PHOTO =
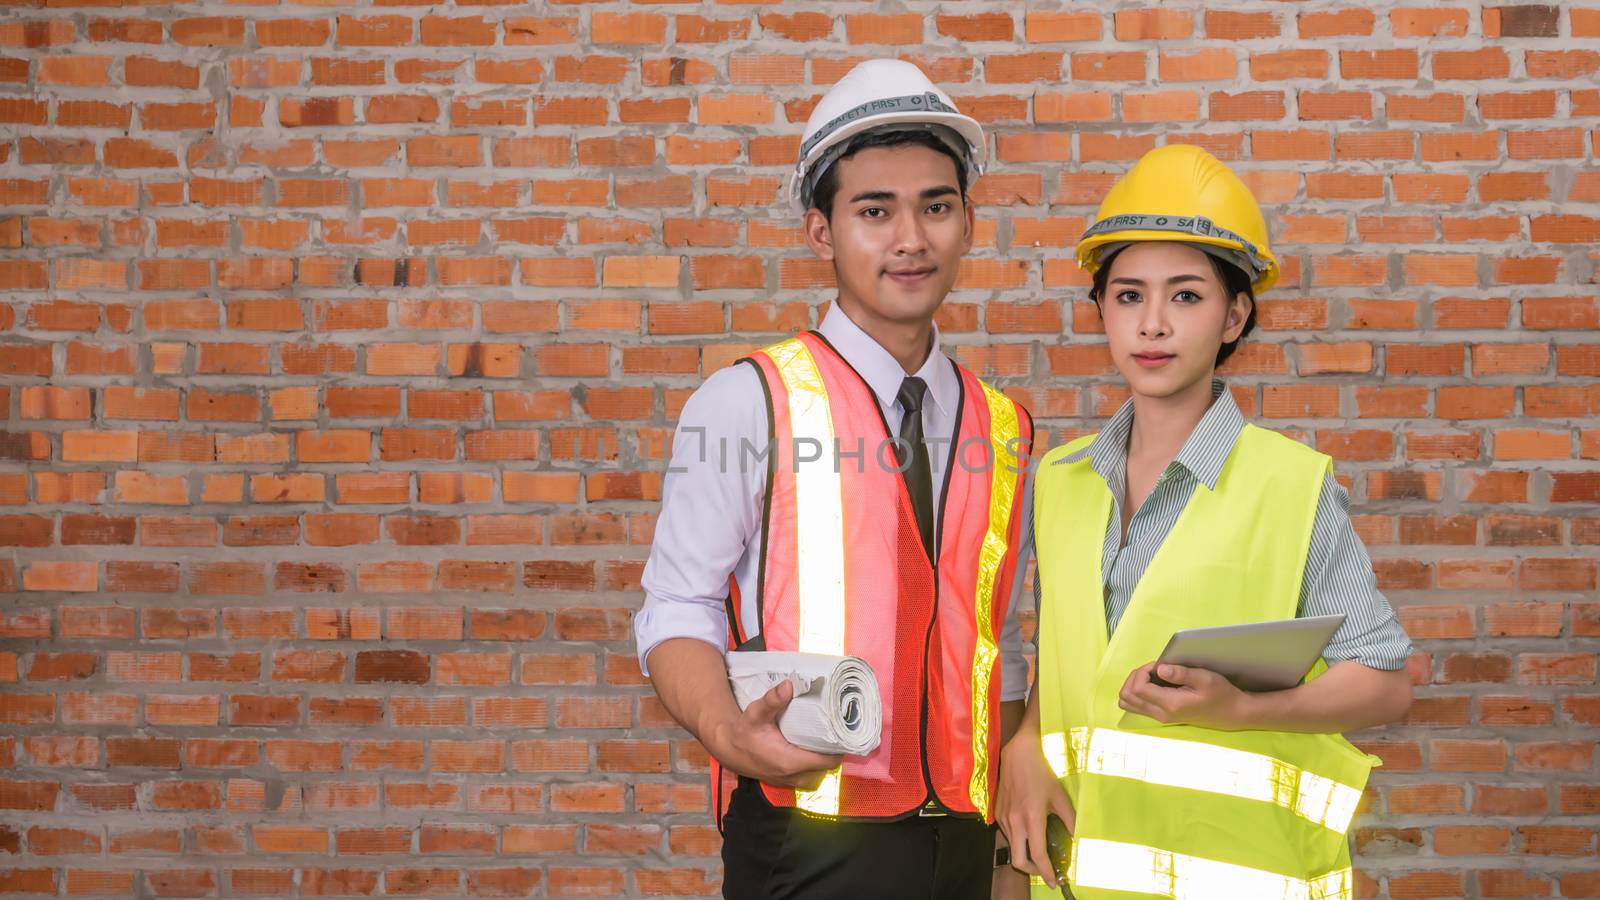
(710, 522)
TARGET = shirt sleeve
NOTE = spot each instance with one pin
(1038, 581)
(710, 509)
(1339, 579)
(1013, 649)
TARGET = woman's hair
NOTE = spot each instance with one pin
(1234, 282)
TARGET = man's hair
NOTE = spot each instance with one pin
(1234, 281)
(822, 195)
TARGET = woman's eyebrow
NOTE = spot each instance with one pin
(1176, 279)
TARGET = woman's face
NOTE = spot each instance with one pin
(1166, 314)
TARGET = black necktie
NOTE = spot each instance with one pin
(917, 473)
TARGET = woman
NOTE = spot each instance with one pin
(1179, 514)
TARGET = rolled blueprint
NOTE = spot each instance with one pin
(836, 706)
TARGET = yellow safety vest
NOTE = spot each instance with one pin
(1179, 811)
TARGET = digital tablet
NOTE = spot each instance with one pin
(1261, 656)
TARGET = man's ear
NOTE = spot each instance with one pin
(818, 234)
(971, 227)
(1238, 315)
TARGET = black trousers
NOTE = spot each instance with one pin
(776, 853)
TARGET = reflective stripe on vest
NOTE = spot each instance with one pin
(1003, 432)
(1204, 767)
(819, 514)
(1114, 866)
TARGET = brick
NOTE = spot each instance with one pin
(82, 71)
(1562, 64)
(590, 797)
(1424, 22)
(45, 575)
(1056, 27)
(1438, 107)
(735, 109)
(1167, 106)
(1121, 66)
(1325, 358)
(1523, 443)
(996, 26)
(1153, 24)
(1288, 64)
(1490, 62)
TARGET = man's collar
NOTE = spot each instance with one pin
(881, 370)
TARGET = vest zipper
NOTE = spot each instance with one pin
(931, 799)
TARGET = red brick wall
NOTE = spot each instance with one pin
(341, 346)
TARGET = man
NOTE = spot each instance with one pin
(854, 491)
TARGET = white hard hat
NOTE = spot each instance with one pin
(874, 94)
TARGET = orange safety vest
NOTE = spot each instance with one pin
(843, 571)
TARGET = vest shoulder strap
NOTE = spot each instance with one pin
(1057, 454)
(1268, 447)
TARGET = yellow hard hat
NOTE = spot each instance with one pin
(1182, 193)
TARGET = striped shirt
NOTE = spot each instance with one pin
(1338, 578)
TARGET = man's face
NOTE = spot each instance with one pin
(899, 229)
(1166, 314)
